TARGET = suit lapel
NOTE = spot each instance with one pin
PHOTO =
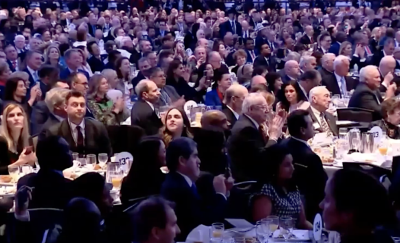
(66, 133)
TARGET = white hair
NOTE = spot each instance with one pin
(55, 97)
(339, 60)
(327, 56)
(250, 100)
(317, 90)
(306, 59)
(19, 37)
(295, 56)
(365, 71)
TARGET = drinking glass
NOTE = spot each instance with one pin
(82, 161)
(383, 147)
(26, 169)
(342, 133)
(286, 225)
(90, 161)
(75, 156)
(217, 231)
(114, 174)
(274, 222)
(356, 143)
(103, 158)
(13, 171)
(263, 230)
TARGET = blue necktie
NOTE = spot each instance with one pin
(194, 191)
(343, 88)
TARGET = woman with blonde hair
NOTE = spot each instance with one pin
(102, 107)
(14, 139)
(53, 57)
(346, 49)
(376, 34)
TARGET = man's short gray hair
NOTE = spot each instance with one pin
(327, 56)
(21, 37)
(365, 71)
(317, 90)
(339, 60)
(55, 97)
(293, 56)
(232, 91)
(306, 59)
(250, 100)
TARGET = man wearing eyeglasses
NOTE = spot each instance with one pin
(79, 82)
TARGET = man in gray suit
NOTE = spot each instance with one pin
(169, 96)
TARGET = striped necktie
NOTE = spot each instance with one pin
(324, 124)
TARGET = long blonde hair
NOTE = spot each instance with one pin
(23, 139)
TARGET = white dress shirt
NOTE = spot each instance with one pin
(317, 114)
(74, 131)
(34, 74)
(234, 112)
(338, 80)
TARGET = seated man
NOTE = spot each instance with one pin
(179, 187)
(319, 102)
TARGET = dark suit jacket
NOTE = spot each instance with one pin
(96, 137)
(249, 58)
(245, 147)
(305, 40)
(229, 116)
(40, 114)
(173, 95)
(11, 66)
(261, 61)
(189, 208)
(324, 73)
(309, 175)
(376, 58)
(65, 73)
(32, 82)
(366, 98)
(330, 119)
(143, 116)
(227, 27)
(96, 64)
(332, 84)
(52, 190)
(212, 98)
(335, 48)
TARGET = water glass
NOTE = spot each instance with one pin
(273, 224)
(217, 231)
(26, 169)
(263, 230)
(286, 224)
(13, 171)
(75, 156)
(342, 133)
(103, 158)
(114, 174)
(90, 161)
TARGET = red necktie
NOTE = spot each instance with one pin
(368, 50)
(14, 63)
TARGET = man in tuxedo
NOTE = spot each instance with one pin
(84, 135)
(179, 187)
(319, 103)
(144, 114)
(12, 58)
(308, 80)
(231, 25)
(233, 101)
(249, 137)
(48, 75)
(51, 189)
(33, 63)
(309, 174)
(308, 38)
(144, 67)
(388, 49)
(291, 71)
(249, 49)
(386, 69)
(338, 82)
(73, 61)
(327, 65)
(265, 59)
(367, 95)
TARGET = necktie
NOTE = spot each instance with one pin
(343, 87)
(368, 50)
(35, 76)
(324, 124)
(252, 55)
(194, 191)
(14, 63)
(233, 27)
(79, 141)
(261, 130)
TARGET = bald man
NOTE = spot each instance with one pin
(386, 69)
(233, 101)
(143, 112)
(258, 79)
(291, 71)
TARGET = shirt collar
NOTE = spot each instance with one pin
(71, 71)
(316, 112)
(253, 121)
(338, 78)
(150, 104)
(59, 117)
(234, 112)
(323, 50)
(73, 126)
(301, 140)
(30, 70)
(187, 179)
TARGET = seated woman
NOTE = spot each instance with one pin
(279, 196)
(215, 97)
(292, 98)
(391, 118)
(177, 125)
(14, 139)
(346, 49)
(145, 177)
(274, 82)
(240, 57)
(15, 92)
(4, 74)
(102, 107)
(357, 206)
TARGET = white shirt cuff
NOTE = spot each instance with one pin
(384, 84)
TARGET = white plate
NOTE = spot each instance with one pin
(301, 235)
(346, 122)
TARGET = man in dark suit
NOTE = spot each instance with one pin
(291, 71)
(367, 95)
(144, 67)
(319, 103)
(388, 49)
(233, 101)
(309, 174)
(179, 187)
(12, 58)
(308, 80)
(338, 82)
(73, 61)
(144, 113)
(327, 65)
(33, 63)
(265, 59)
(386, 69)
(249, 137)
(96, 60)
(51, 189)
(250, 51)
(340, 38)
(84, 135)
(48, 75)
(231, 25)
(307, 38)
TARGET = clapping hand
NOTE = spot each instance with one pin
(22, 198)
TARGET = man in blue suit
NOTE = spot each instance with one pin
(73, 61)
(231, 25)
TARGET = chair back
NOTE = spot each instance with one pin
(125, 138)
(354, 114)
(238, 201)
(371, 169)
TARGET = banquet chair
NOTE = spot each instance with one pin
(125, 138)
(354, 114)
(238, 201)
(370, 169)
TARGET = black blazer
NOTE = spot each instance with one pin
(96, 64)
(6, 156)
(376, 58)
(189, 208)
(65, 73)
(144, 116)
(261, 61)
(227, 27)
(332, 84)
(31, 80)
(305, 40)
(330, 119)
(324, 73)
(309, 175)
(96, 137)
(245, 147)
(229, 116)
(366, 98)
(40, 114)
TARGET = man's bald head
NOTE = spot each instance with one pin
(202, 42)
(387, 64)
(258, 79)
(292, 69)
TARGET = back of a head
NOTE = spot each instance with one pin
(90, 186)
(182, 146)
(53, 153)
(296, 121)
